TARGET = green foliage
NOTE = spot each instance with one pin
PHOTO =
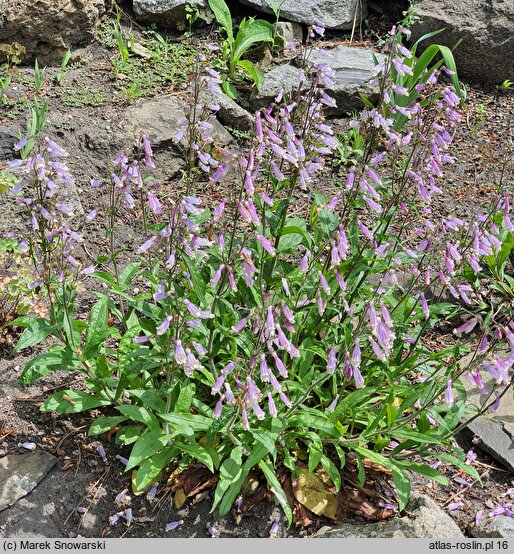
(61, 74)
(250, 32)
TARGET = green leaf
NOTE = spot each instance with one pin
(267, 439)
(128, 274)
(256, 455)
(72, 402)
(194, 421)
(460, 464)
(274, 483)
(228, 87)
(223, 17)
(315, 454)
(402, 486)
(207, 456)
(103, 424)
(149, 398)
(250, 32)
(328, 465)
(148, 444)
(230, 471)
(97, 329)
(37, 331)
(255, 74)
(140, 414)
(425, 470)
(58, 358)
(151, 468)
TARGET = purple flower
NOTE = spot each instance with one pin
(148, 152)
(172, 525)
(160, 294)
(101, 452)
(240, 325)
(164, 326)
(154, 204)
(179, 353)
(332, 359)
(121, 498)
(455, 506)
(146, 245)
(196, 312)
(152, 493)
(448, 396)
(266, 244)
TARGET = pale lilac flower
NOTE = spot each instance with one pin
(266, 244)
(455, 506)
(122, 498)
(146, 245)
(101, 452)
(240, 325)
(172, 525)
(448, 396)
(179, 353)
(332, 360)
(164, 326)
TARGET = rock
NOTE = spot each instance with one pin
(287, 31)
(8, 139)
(20, 474)
(230, 112)
(496, 527)
(159, 120)
(335, 14)
(425, 519)
(486, 54)
(494, 429)
(353, 71)
(47, 28)
(165, 13)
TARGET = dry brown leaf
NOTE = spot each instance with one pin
(179, 498)
(310, 491)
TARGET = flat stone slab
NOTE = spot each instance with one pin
(20, 474)
(494, 429)
(426, 520)
(353, 69)
(498, 527)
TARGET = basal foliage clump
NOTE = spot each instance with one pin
(266, 332)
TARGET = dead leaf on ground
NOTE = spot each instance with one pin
(310, 491)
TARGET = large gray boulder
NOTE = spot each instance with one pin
(164, 13)
(335, 14)
(486, 54)
(47, 28)
(353, 72)
(425, 521)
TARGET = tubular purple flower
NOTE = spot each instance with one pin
(172, 525)
(357, 377)
(332, 360)
(148, 152)
(448, 396)
(379, 353)
(266, 244)
(466, 327)
(196, 312)
(146, 245)
(285, 399)
(424, 306)
(217, 275)
(356, 355)
(272, 409)
(154, 204)
(164, 326)
(281, 368)
(179, 353)
(304, 262)
(240, 325)
(340, 281)
(324, 284)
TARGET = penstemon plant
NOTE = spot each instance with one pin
(266, 332)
